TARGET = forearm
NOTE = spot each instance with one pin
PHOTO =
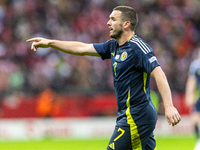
(163, 86)
(171, 113)
(164, 90)
(70, 47)
(75, 48)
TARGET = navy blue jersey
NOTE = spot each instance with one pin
(132, 64)
(195, 70)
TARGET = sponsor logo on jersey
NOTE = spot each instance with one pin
(152, 59)
(117, 56)
(112, 145)
(124, 56)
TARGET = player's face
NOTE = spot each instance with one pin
(115, 24)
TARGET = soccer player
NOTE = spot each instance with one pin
(133, 62)
(193, 84)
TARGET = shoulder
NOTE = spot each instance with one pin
(104, 46)
(112, 42)
(140, 46)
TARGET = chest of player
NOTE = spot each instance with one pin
(123, 63)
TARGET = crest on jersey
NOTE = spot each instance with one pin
(124, 56)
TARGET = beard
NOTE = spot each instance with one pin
(116, 34)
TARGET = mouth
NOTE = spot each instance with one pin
(111, 29)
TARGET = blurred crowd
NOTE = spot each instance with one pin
(171, 27)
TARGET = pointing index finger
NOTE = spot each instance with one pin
(33, 40)
(30, 40)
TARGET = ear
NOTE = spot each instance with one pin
(126, 24)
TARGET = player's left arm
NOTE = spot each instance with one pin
(171, 113)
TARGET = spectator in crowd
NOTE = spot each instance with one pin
(45, 103)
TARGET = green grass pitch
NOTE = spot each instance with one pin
(163, 143)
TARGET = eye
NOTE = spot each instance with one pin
(112, 18)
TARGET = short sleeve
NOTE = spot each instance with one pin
(149, 62)
(103, 50)
(147, 59)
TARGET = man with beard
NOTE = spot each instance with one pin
(133, 63)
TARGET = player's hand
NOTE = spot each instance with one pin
(172, 115)
(38, 42)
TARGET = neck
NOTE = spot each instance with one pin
(125, 37)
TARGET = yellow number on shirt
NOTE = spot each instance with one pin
(115, 65)
(119, 130)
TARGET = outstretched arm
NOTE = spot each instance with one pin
(171, 113)
(74, 48)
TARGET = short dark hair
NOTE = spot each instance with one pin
(128, 14)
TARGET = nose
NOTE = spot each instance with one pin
(108, 23)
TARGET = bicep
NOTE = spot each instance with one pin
(88, 49)
(158, 72)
